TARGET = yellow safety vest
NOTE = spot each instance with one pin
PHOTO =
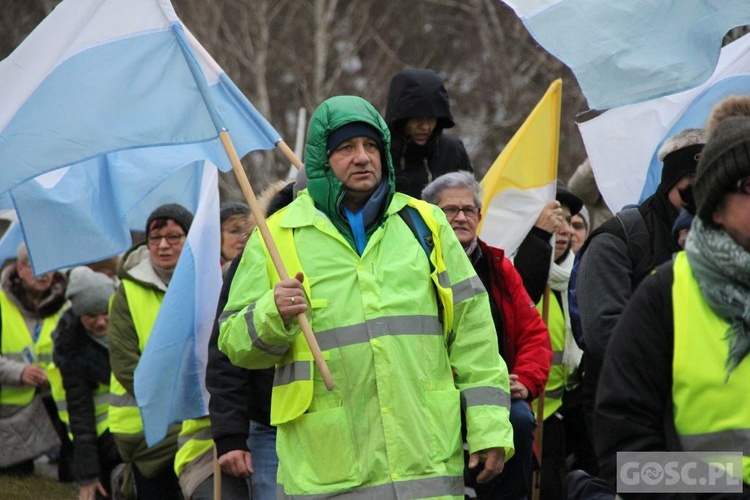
(18, 345)
(101, 401)
(710, 411)
(194, 440)
(555, 388)
(124, 415)
(58, 395)
(290, 400)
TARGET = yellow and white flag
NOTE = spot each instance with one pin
(523, 178)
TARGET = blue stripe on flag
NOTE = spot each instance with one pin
(148, 98)
(695, 116)
(86, 211)
(10, 241)
(170, 377)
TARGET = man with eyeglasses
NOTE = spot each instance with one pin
(145, 272)
(523, 338)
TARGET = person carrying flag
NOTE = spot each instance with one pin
(408, 339)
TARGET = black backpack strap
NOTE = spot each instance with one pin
(422, 233)
(638, 240)
(629, 226)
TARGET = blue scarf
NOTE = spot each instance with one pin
(362, 222)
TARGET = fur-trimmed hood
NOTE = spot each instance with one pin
(52, 299)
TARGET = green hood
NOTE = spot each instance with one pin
(324, 187)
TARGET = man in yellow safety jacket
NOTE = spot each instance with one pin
(408, 339)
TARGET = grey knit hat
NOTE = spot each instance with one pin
(230, 208)
(725, 160)
(89, 291)
(174, 211)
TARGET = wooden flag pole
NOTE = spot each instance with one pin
(536, 487)
(217, 476)
(284, 148)
(260, 220)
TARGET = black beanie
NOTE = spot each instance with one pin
(564, 196)
(230, 208)
(725, 160)
(678, 164)
(349, 131)
(177, 213)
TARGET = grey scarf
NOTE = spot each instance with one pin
(722, 269)
(164, 274)
(102, 341)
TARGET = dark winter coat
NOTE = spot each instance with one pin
(606, 277)
(416, 93)
(238, 395)
(532, 262)
(634, 398)
(83, 364)
(522, 335)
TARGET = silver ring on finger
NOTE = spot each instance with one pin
(293, 301)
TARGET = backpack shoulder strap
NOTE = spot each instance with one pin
(638, 241)
(416, 223)
(629, 226)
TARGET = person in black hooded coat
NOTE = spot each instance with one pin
(82, 357)
(417, 112)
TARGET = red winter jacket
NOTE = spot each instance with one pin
(526, 344)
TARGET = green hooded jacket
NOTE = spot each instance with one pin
(324, 187)
(391, 426)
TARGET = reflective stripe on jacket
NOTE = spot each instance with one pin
(58, 395)
(293, 385)
(553, 391)
(144, 303)
(18, 345)
(375, 317)
(101, 401)
(710, 411)
(194, 440)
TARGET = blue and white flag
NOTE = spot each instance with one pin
(170, 380)
(623, 52)
(623, 143)
(109, 106)
(113, 89)
(99, 207)
(12, 237)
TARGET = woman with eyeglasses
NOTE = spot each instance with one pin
(235, 229)
(676, 373)
(145, 272)
(523, 339)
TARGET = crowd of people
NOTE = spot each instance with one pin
(457, 369)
